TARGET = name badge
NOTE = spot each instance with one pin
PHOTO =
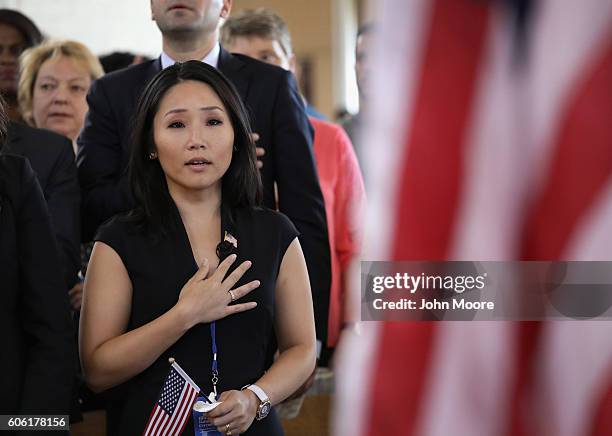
(202, 427)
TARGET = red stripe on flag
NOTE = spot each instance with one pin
(580, 168)
(430, 183)
(181, 413)
(429, 194)
(529, 333)
(151, 422)
(602, 422)
(186, 418)
(161, 415)
(161, 423)
(399, 376)
(164, 422)
(168, 427)
(179, 409)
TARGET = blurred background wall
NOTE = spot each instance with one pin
(323, 36)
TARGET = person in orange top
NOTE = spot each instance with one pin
(263, 35)
(344, 196)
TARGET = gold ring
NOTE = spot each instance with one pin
(228, 432)
(232, 296)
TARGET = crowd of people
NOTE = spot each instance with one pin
(184, 207)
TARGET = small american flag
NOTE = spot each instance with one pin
(172, 409)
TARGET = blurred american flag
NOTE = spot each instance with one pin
(489, 138)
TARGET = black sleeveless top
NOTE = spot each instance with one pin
(158, 268)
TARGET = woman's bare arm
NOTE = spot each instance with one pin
(295, 328)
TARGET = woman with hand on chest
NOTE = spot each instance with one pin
(161, 274)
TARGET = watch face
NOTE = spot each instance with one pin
(264, 409)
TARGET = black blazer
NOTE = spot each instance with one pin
(38, 351)
(278, 116)
(52, 159)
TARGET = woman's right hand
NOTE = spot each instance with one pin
(204, 299)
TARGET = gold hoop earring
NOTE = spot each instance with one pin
(153, 155)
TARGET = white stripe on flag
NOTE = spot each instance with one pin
(177, 410)
(472, 359)
(493, 152)
(572, 375)
(468, 386)
(162, 423)
(396, 65)
(180, 408)
(592, 239)
(161, 419)
(575, 357)
(566, 37)
(188, 405)
(357, 357)
(152, 421)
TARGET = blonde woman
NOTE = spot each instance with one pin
(55, 78)
(54, 81)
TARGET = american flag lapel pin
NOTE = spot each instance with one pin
(229, 238)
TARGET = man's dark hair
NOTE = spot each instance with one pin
(241, 184)
(28, 29)
(365, 29)
(118, 60)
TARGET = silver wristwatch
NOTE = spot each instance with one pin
(264, 405)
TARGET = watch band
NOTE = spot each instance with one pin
(264, 402)
(259, 392)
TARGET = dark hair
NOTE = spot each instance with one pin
(241, 184)
(366, 29)
(22, 23)
(118, 60)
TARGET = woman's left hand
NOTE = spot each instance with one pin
(236, 412)
(76, 296)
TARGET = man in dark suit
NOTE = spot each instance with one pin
(189, 31)
(52, 159)
(37, 368)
